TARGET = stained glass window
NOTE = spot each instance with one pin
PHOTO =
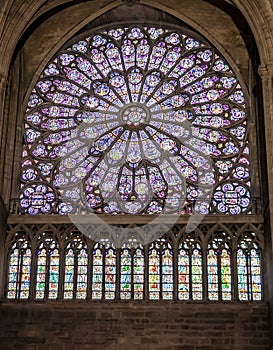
(190, 265)
(160, 270)
(126, 274)
(138, 274)
(104, 273)
(176, 266)
(19, 270)
(76, 263)
(249, 269)
(110, 274)
(132, 273)
(219, 268)
(138, 119)
(47, 279)
(97, 273)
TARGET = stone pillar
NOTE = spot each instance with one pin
(266, 74)
(3, 231)
(3, 211)
(3, 122)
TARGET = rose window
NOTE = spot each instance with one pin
(137, 120)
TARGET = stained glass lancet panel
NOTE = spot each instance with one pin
(109, 107)
(249, 268)
(110, 274)
(126, 274)
(69, 274)
(154, 273)
(76, 264)
(219, 267)
(82, 271)
(132, 266)
(103, 273)
(48, 265)
(97, 272)
(138, 273)
(160, 270)
(190, 265)
(19, 271)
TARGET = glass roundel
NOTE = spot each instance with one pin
(134, 120)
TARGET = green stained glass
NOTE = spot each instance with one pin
(212, 275)
(41, 274)
(138, 274)
(197, 275)
(126, 275)
(226, 275)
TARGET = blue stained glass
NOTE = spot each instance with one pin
(134, 96)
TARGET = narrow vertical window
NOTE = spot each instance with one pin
(126, 274)
(219, 268)
(138, 273)
(213, 278)
(110, 274)
(69, 274)
(167, 273)
(183, 275)
(226, 274)
(154, 274)
(19, 270)
(75, 270)
(249, 269)
(97, 273)
(41, 274)
(160, 270)
(81, 291)
(53, 274)
(190, 277)
(47, 278)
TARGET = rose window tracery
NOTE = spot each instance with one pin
(136, 120)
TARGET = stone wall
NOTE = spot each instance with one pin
(134, 325)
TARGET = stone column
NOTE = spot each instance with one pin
(266, 74)
(3, 211)
(3, 125)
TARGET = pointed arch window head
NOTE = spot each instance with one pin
(249, 268)
(48, 265)
(160, 273)
(76, 267)
(219, 263)
(136, 120)
(19, 272)
(190, 268)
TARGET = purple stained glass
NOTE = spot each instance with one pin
(136, 120)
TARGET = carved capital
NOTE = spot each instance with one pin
(266, 70)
